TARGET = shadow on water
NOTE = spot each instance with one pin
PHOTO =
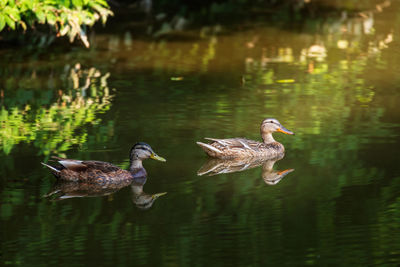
(181, 22)
(220, 166)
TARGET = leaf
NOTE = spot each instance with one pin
(28, 4)
(51, 18)
(104, 12)
(84, 38)
(102, 2)
(2, 22)
(10, 22)
(13, 12)
(3, 3)
(64, 30)
(77, 3)
(41, 16)
(64, 17)
(23, 25)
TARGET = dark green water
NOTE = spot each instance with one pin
(336, 87)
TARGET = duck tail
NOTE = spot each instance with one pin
(54, 170)
(210, 150)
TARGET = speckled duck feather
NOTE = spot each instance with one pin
(235, 148)
(91, 171)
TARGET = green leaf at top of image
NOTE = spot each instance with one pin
(2, 22)
(13, 13)
(41, 16)
(10, 22)
(76, 13)
(27, 4)
(51, 18)
(77, 3)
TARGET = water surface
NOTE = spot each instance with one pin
(336, 86)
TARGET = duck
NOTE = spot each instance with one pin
(239, 148)
(103, 172)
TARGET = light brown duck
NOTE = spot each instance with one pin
(233, 148)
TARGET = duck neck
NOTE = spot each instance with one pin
(268, 166)
(267, 137)
(135, 164)
(137, 190)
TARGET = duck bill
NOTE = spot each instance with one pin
(155, 196)
(282, 129)
(284, 172)
(157, 157)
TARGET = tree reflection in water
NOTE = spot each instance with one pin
(56, 124)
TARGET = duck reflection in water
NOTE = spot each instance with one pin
(220, 166)
(141, 199)
(64, 190)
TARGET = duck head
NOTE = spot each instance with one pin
(269, 126)
(141, 151)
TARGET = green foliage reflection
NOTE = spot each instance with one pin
(55, 127)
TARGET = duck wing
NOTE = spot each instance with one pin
(231, 148)
(82, 166)
(235, 143)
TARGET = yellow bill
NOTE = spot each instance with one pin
(157, 157)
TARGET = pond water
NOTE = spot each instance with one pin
(334, 83)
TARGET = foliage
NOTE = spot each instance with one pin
(64, 17)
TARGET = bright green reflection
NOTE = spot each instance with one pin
(54, 127)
